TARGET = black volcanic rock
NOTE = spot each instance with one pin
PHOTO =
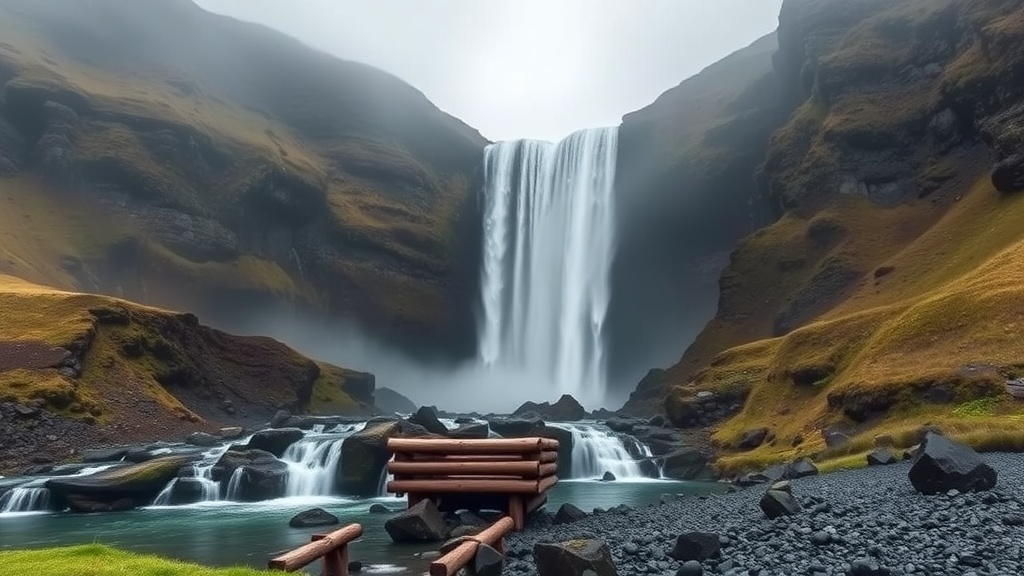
(944, 465)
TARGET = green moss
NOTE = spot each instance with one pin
(98, 560)
(975, 408)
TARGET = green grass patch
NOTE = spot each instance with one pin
(99, 560)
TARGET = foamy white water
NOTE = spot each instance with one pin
(549, 234)
(596, 450)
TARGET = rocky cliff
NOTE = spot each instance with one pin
(154, 151)
(79, 370)
(885, 296)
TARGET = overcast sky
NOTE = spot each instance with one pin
(524, 68)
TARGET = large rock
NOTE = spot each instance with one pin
(421, 523)
(275, 440)
(128, 486)
(574, 558)
(202, 439)
(698, 546)
(470, 432)
(514, 427)
(881, 457)
(426, 417)
(566, 409)
(487, 562)
(686, 464)
(801, 468)
(1008, 174)
(262, 475)
(313, 518)
(777, 503)
(364, 455)
(623, 425)
(568, 513)
(753, 438)
(943, 465)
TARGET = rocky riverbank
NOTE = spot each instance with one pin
(863, 522)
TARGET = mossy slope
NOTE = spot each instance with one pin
(152, 160)
(149, 374)
(887, 295)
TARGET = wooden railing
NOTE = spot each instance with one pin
(518, 470)
(463, 554)
(333, 548)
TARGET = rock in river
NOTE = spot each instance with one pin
(313, 518)
(118, 488)
(365, 454)
(421, 523)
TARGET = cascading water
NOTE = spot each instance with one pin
(549, 233)
(26, 499)
(596, 450)
(313, 461)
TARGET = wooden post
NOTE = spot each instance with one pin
(516, 510)
(455, 560)
(332, 548)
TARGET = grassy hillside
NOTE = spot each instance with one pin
(145, 155)
(113, 371)
(97, 560)
(886, 297)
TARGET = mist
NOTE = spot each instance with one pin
(462, 386)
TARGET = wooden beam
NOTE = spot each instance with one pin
(546, 484)
(481, 446)
(523, 468)
(321, 546)
(457, 559)
(536, 502)
(470, 485)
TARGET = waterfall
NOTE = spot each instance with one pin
(201, 474)
(26, 499)
(313, 461)
(549, 233)
(234, 484)
(596, 450)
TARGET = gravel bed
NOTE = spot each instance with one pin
(860, 522)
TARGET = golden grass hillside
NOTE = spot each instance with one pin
(932, 341)
(135, 372)
(887, 296)
(145, 164)
(98, 560)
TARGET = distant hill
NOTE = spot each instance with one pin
(155, 151)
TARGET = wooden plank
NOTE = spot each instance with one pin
(321, 546)
(547, 456)
(545, 484)
(476, 446)
(523, 468)
(457, 559)
(536, 502)
(468, 485)
(543, 457)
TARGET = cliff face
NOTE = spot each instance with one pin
(173, 157)
(882, 298)
(687, 192)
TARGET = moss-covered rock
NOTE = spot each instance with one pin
(118, 488)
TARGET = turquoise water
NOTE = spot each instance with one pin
(225, 533)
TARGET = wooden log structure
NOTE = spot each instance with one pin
(333, 548)
(517, 472)
(457, 559)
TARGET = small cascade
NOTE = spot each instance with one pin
(596, 450)
(202, 474)
(314, 460)
(235, 484)
(25, 499)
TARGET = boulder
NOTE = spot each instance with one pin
(622, 425)
(697, 546)
(89, 504)
(568, 513)
(608, 477)
(487, 562)
(649, 468)
(379, 508)
(690, 568)
(514, 427)
(426, 417)
(275, 440)
(231, 433)
(127, 486)
(280, 418)
(777, 503)
(421, 523)
(364, 455)
(202, 439)
(686, 464)
(470, 431)
(138, 455)
(881, 457)
(566, 409)
(186, 491)
(943, 465)
(657, 421)
(574, 558)
(262, 476)
(313, 518)
(801, 468)
(753, 438)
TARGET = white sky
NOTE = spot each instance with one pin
(524, 68)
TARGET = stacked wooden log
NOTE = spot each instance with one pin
(517, 472)
(332, 548)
